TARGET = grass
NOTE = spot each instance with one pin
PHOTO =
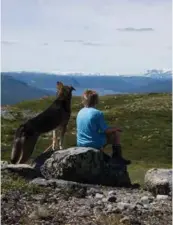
(112, 219)
(14, 182)
(146, 120)
(138, 169)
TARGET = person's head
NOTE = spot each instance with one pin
(90, 98)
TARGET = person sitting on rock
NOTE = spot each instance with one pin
(93, 131)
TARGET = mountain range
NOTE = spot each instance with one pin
(13, 91)
(35, 85)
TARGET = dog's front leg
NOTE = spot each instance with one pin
(55, 143)
(63, 130)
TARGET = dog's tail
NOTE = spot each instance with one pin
(23, 145)
(17, 145)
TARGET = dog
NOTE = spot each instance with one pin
(57, 115)
(61, 129)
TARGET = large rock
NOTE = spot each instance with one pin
(85, 165)
(23, 170)
(159, 181)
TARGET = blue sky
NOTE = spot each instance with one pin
(90, 36)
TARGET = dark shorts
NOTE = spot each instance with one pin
(110, 139)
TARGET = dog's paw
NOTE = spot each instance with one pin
(55, 145)
(54, 148)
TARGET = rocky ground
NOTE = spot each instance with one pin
(85, 205)
(31, 197)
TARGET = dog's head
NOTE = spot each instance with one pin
(64, 92)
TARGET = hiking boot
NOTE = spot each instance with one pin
(117, 154)
(125, 161)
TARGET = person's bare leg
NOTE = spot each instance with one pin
(117, 138)
(114, 139)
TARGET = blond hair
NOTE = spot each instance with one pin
(90, 98)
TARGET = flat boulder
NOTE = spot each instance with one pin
(159, 181)
(84, 165)
(22, 170)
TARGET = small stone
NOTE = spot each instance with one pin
(151, 199)
(97, 211)
(154, 203)
(158, 181)
(145, 200)
(98, 196)
(132, 206)
(91, 205)
(123, 206)
(125, 219)
(14, 212)
(99, 202)
(135, 221)
(38, 197)
(111, 198)
(139, 203)
(112, 193)
(4, 164)
(93, 191)
(83, 212)
(43, 212)
(104, 200)
(3, 197)
(109, 208)
(33, 215)
(162, 197)
(146, 206)
(39, 181)
(116, 210)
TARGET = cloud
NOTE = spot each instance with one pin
(125, 44)
(96, 44)
(82, 31)
(45, 44)
(86, 27)
(8, 42)
(86, 43)
(92, 44)
(169, 48)
(74, 41)
(132, 29)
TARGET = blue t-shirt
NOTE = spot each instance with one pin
(91, 128)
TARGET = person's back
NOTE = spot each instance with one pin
(90, 128)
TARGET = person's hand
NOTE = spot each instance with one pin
(113, 130)
(118, 129)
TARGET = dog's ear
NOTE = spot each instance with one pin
(72, 88)
(59, 85)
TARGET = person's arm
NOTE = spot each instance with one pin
(104, 127)
(112, 130)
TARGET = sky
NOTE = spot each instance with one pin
(89, 36)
